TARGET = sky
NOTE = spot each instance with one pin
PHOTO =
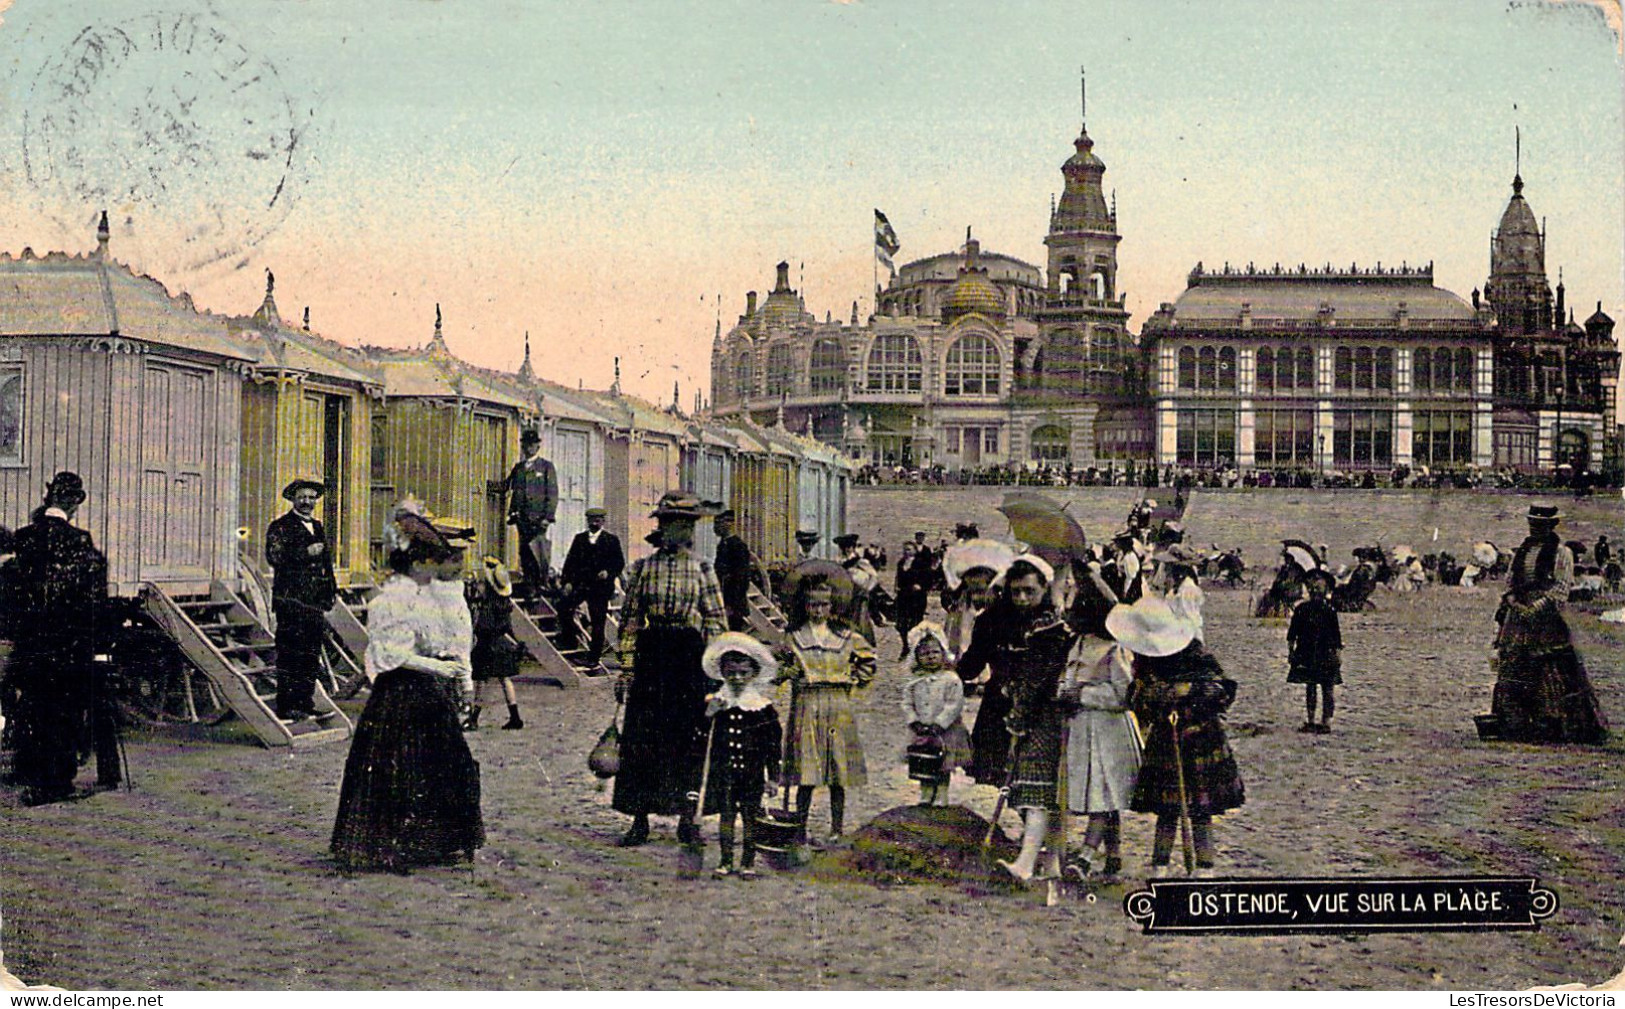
(598, 174)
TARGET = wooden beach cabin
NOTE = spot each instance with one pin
(307, 412)
(447, 436)
(707, 471)
(642, 461)
(762, 494)
(103, 372)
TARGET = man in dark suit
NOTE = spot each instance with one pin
(594, 562)
(302, 592)
(533, 504)
(56, 588)
(916, 575)
(736, 568)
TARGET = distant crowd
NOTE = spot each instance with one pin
(1132, 474)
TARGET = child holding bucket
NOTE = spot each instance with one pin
(933, 703)
(743, 757)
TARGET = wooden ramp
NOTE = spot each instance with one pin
(766, 619)
(230, 646)
(348, 619)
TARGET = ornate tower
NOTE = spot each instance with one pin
(1517, 290)
(1083, 343)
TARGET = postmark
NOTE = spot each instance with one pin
(172, 117)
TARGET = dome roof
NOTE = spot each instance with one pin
(973, 291)
(1518, 246)
(782, 309)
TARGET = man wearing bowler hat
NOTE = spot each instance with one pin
(56, 587)
(533, 504)
(594, 562)
(302, 591)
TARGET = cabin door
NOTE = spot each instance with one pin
(487, 507)
(335, 475)
(570, 463)
(175, 433)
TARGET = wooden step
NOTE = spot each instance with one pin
(236, 668)
(555, 666)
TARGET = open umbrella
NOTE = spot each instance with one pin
(1485, 553)
(1044, 526)
(1302, 558)
(1308, 548)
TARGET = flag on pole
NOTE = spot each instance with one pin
(886, 244)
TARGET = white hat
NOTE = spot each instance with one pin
(1036, 561)
(966, 556)
(1150, 627)
(927, 627)
(737, 641)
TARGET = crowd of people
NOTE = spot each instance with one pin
(1094, 690)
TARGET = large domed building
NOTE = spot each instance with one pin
(972, 358)
(975, 358)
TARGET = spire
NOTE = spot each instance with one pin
(615, 389)
(266, 314)
(1517, 159)
(307, 318)
(102, 235)
(674, 400)
(437, 346)
(525, 371)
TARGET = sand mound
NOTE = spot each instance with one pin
(922, 844)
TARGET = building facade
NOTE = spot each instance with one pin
(977, 358)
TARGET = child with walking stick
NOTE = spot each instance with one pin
(1179, 695)
(743, 749)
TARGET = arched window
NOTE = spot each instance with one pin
(1365, 369)
(780, 369)
(11, 414)
(1187, 368)
(1421, 370)
(1207, 368)
(973, 367)
(827, 370)
(1441, 370)
(1050, 443)
(1266, 369)
(1227, 368)
(1384, 378)
(1464, 369)
(1097, 286)
(744, 375)
(894, 364)
(1306, 368)
(1342, 368)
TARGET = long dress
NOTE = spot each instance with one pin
(1192, 684)
(823, 744)
(1103, 745)
(411, 792)
(1037, 661)
(673, 607)
(1542, 693)
(1000, 643)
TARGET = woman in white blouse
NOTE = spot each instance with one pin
(411, 792)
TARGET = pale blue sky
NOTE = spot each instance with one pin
(597, 173)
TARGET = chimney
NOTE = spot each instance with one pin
(750, 303)
(102, 235)
(783, 283)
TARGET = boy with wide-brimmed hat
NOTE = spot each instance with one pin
(745, 748)
(496, 650)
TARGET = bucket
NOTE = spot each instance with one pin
(1489, 726)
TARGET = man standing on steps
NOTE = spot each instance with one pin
(594, 562)
(533, 502)
(303, 590)
(56, 600)
(736, 568)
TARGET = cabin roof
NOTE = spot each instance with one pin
(62, 295)
(430, 376)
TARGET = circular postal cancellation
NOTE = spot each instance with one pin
(167, 115)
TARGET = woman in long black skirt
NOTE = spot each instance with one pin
(411, 792)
